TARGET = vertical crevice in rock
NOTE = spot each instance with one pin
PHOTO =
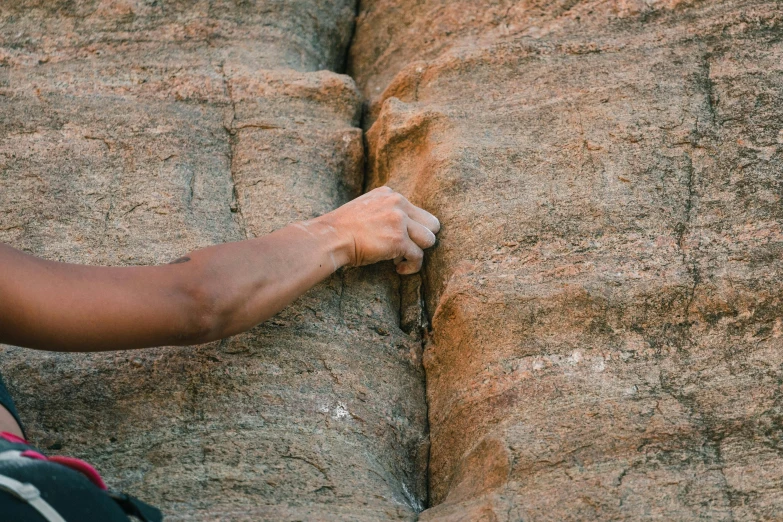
(709, 94)
(235, 205)
(415, 322)
(412, 313)
(682, 229)
(424, 333)
(342, 67)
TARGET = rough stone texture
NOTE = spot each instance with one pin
(605, 306)
(134, 131)
(605, 300)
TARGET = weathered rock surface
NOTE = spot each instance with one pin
(605, 304)
(605, 300)
(132, 132)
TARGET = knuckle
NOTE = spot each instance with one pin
(396, 198)
(398, 216)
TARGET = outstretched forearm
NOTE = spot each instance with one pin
(245, 283)
(208, 294)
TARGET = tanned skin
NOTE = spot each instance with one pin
(207, 294)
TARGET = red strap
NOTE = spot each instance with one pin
(69, 462)
(82, 467)
(30, 454)
(10, 437)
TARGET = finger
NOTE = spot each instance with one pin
(413, 258)
(422, 216)
(420, 234)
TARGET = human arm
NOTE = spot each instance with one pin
(208, 294)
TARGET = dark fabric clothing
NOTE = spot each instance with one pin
(8, 403)
(69, 492)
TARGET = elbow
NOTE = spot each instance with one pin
(204, 315)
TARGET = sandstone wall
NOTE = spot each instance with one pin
(605, 299)
(604, 332)
(132, 132)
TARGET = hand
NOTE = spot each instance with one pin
(383, 225)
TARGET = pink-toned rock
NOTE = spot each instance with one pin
(134, 131)
(602, 316)
(605, 299)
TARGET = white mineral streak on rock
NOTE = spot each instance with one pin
(340, 411)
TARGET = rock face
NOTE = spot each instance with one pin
(605, 300)
(132, 132)
(604, 332)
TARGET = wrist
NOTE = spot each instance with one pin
(339, 244)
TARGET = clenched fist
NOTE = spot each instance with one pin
(383, 225)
